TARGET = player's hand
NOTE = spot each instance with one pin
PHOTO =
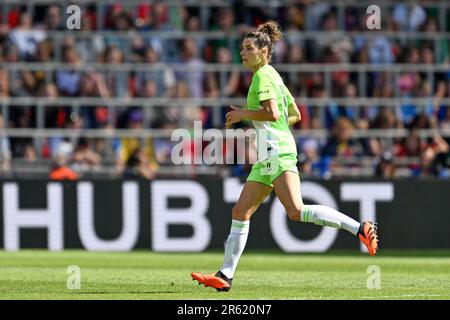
(235, 115)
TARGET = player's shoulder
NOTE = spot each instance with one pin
(268, 69)
(266, 73)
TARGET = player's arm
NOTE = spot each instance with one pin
(294, 114)
(268, 112)
(265, 93)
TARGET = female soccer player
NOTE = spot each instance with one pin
(272, 109)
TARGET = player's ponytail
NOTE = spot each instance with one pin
(265, 36)
(272, 29)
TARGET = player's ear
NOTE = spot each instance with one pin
(265, 52)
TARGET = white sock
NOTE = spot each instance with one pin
(234, 246)
(326, 216)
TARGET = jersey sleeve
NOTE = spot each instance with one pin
(289, 97)
(264, 88)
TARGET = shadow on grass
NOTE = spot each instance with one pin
(355, 253)
(78, 292)
(124, 292)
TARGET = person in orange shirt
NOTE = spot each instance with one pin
(61, 171)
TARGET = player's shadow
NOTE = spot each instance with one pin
(121, 292)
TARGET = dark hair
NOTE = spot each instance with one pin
(266, 35)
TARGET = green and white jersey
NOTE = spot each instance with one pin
(273, 137)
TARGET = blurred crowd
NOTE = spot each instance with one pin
(26, 37)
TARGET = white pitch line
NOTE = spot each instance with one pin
(406, 296)
(363, 297)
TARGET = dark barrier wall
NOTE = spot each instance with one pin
(187, 215)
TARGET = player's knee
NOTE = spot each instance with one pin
(239, 214)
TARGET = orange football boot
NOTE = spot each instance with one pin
(368, 235)
(217, 281)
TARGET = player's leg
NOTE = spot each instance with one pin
(250, 199)
(252, 195)
(287, 189)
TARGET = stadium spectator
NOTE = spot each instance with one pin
(26, 36)
(144, 17)
(296, 81)
(138, 165)
(341, 146)
(107, 146)
(222, 83)
(445, 121)
(317, 114)
(411, 148)
(121, 21)
(194, 77)
(53, 18)
(163, 146)
(193, 24)
(84, 158)
(61, 172)
(294, 22)
(314, 14)
(310, 162)
(380, 49)
(60, 169)
(20, 83)
(5, 151)
(117, 81)
(22, 117)
(29, 154)
(164, 80)
(4, 83)
(225, 22)
(55, 116)
(385, 166)
(128, 146)
(43, 54)
(68, 82)
(340, 46)
(93, 84)
(165, 21)
(228, 81)
(408, 17)
(434, 158)
(188, 113)
(137, 50)
(161, 115)
(59, 144)
(385, 120)
(90, 49)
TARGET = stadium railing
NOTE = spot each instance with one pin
(205, 7)
(215, 103)
(305, 68)
(361, 69)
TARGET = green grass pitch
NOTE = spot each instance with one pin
(38, 274)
